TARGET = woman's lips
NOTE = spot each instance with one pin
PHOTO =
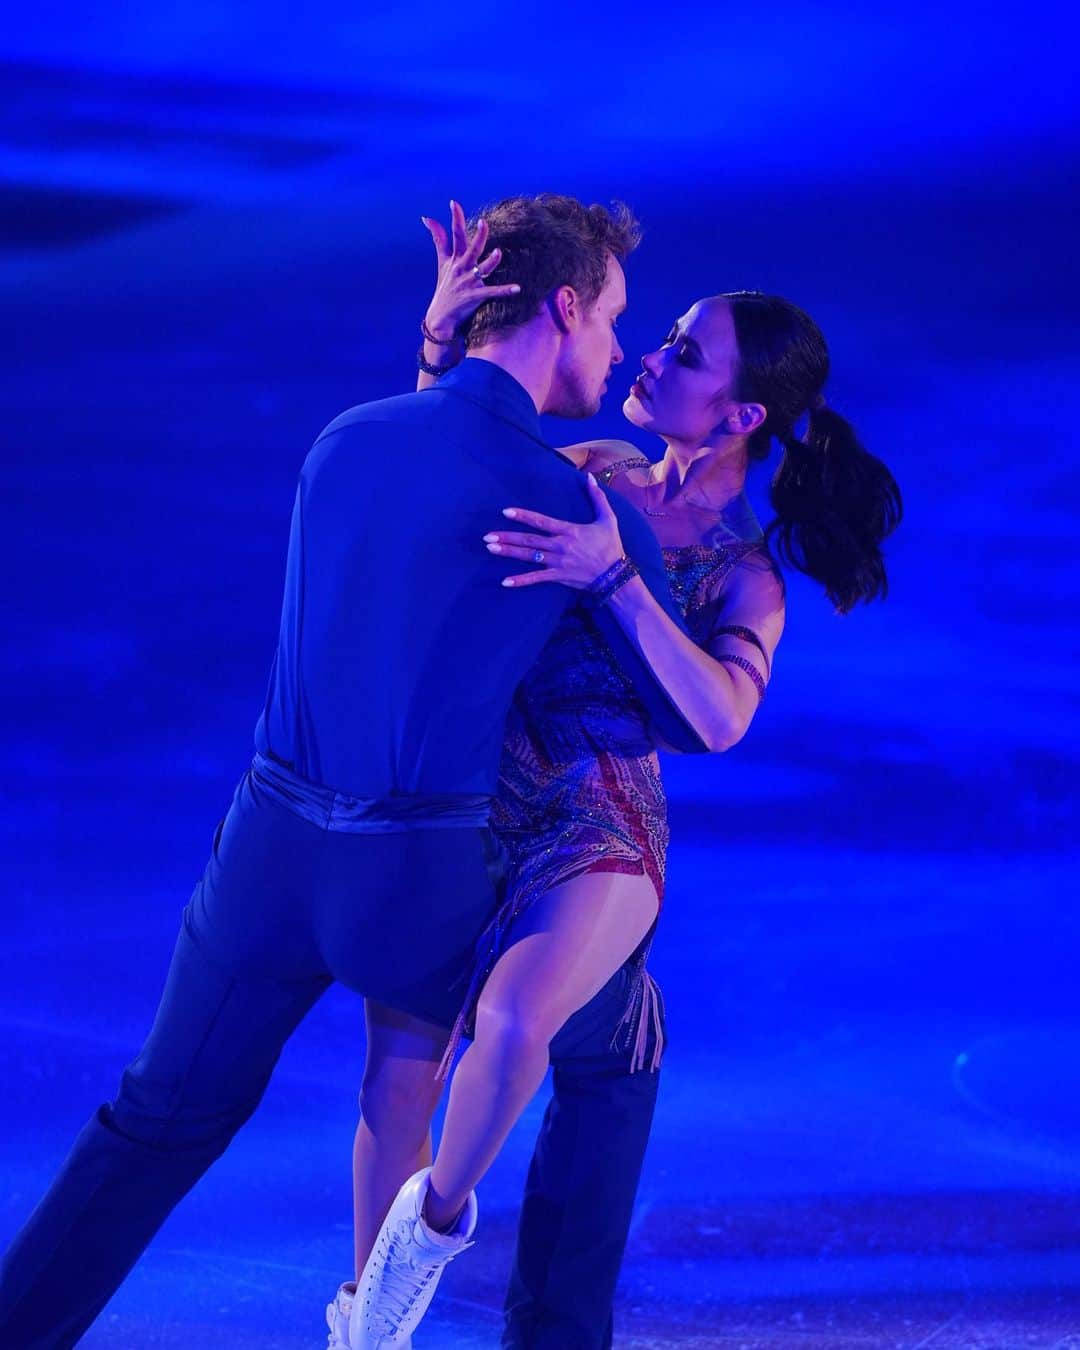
(638, 390)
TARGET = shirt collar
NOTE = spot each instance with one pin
(489, 385)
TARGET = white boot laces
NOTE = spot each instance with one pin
(403, 1281)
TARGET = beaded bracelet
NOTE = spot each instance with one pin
(429, 336)
(429, 369)
(609, 581)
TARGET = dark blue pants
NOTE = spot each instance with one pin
(579, 1195)
(283, 909)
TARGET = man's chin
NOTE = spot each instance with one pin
(577, 412)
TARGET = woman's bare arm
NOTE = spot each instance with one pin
(715, 695)
(460, 289)
(751, 607)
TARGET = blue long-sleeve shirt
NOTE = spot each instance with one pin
(399, 651)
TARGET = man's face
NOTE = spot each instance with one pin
(590, 350)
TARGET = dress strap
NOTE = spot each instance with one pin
(605, 475)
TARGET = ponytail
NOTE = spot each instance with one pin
(835, 503)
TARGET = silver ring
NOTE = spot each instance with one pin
(476, 272)
(538, 555)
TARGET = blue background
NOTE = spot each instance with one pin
(209, 245)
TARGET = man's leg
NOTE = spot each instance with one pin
(579, 1196)
(199, 1076)
(216, 1037)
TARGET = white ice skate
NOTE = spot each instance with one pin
(337, 1319)
(403, 1269)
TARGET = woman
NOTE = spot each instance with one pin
(581, 808)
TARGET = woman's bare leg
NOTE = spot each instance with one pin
(572, 941)
(397, 1100)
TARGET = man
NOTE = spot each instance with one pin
(584, 1174)
(356, 847)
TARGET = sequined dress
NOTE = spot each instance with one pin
(579, 785)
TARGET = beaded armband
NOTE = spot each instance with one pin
(747, 635)
(429, 369)
(748, 667)
(608, 582)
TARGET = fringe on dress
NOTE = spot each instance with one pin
(645, 1004)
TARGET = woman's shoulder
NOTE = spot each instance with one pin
(605, 459)
(754, 589)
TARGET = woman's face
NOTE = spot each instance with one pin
(683, 392)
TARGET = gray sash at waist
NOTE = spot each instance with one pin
(333, 810)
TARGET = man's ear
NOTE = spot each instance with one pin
(564, 307)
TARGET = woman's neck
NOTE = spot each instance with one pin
(709, 474)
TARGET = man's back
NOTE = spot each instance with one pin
(399, 650)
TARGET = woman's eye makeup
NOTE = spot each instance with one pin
(683, 356)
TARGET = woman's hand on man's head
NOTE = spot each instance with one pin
(460, 285)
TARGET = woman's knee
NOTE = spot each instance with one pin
(516, 1030)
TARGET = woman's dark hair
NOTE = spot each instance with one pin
(834, 501)
(548, 241)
